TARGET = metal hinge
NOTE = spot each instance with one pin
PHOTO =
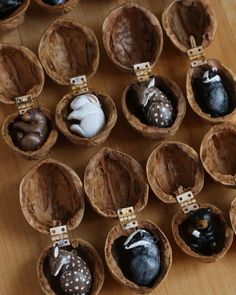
(79, 85)
(196, 54)
(143, 71)
(24, 103)
(127, 218)
(59, 236)
(187, 202)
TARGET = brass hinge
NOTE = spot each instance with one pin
(143, 71)
(196, 54)
(127, 218)
(24, 103)
(79, 85)
(59, 236)
(187, 202)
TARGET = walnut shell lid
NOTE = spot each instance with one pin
(21, 73)
(132, 35)
(66, 7)
(184, 18)
(173, 165)
(51, 286)
(51, 194)
(114, 180)
(68, 49)
(218, 153)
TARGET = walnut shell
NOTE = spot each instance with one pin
(68, 49)
(218, 153)
(112, 257)
(59, 8)
(173, 165)
(184, 18)
(63, 110)
(114, 180)
(172, 91)
(179, 218)
(21, 73)
(30, 155)
(50, 285)
(232, 215)
(195, 90)
(51, 194)
(15, 19)
(132, 35)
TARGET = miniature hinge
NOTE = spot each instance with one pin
(24, 103)
(59, 236)
(196, 54)
(127, 217)
(79, 85)
(143, 71)
(187, 202)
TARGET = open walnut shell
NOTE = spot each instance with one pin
(113, 259)
(185, 18)
(132, 35)
(51, 285)
(63, 110)
(195, 90)
(68, 49)
(51, 194)
(114, 180)
(227, 235)
(21, 73)
(59, 8)
(218, 153)
(232, 215)
(171, 166)
(174, 94)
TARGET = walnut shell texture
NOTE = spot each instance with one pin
(132, 35)
(114, 180)
(51, 194)
(68, 49)
(50, 285)
(59, 8)
(112, 259)
(179, 218)
(218, 153)
(20, 73)
(184, 18)
(232, 215)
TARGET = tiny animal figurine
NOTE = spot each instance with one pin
(30, 130)
(88, 112)
(157, 109)
(143, 265)
(74, 274)
(7, 7)
(54, 2)
(217, 99)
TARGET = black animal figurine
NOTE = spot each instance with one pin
(217, 100)
(54, 2)
(7, 7)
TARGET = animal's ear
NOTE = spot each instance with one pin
(93, 99)
(151, 83)
(56, 251)
(214, 69)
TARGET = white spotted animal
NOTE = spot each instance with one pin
(88, 112)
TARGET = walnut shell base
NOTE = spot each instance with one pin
(232, 215)
(58, 9)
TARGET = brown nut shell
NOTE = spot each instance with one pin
(173, 92)
(20, 73)
(184, 18)
(68, 49)
(51, 194)
(218, 153)
(232, 215)
(51, 286)
(195, 90)
(59, 8)
(63, 110)
(112, 258)
(132, 35)
(114, 180)
(180, 217)
(43, 150)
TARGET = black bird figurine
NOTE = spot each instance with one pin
(7, 7)
(54, 2)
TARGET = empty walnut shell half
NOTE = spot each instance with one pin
(21, 73)
(218, 153)
(195, 90)
(51, 285)
(185, 18)
(232, 215)
(68, 49)
(130, 111)
(132, 35)
(58, 8)
(225, 232)
(114, 260)
(51, 194)
(114, 180)
(171, 166)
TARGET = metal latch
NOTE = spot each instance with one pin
(187, 202)
(143, 71)
(59, 236)
(127, 217)
(196, 54)
(79, 85)
(24, 103)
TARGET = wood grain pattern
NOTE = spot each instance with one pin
(21, 245)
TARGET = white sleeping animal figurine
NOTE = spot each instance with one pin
(87, 109)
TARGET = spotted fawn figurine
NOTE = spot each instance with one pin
(217, 99)
(74, 274)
